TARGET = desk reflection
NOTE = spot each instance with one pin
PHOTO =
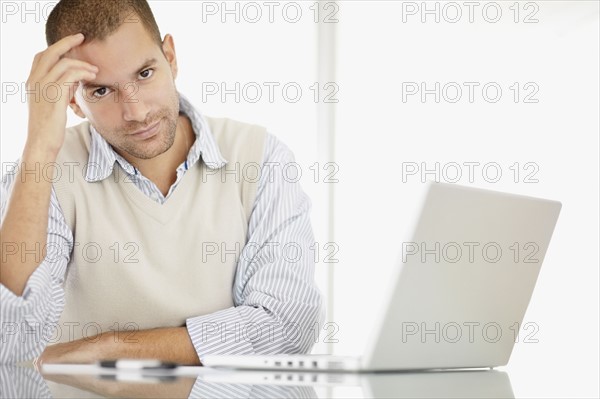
(21, 382)
(439, 384)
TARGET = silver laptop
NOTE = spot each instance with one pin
(459, 294)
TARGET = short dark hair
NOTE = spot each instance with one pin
(97, 19)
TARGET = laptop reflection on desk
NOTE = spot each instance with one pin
(428, 384)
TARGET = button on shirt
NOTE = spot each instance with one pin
(280, 215)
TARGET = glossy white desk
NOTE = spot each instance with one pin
(83, 382)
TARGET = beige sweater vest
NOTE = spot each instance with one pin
(137, 264)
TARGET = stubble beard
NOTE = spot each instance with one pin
(164, 139)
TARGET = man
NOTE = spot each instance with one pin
(148, 243)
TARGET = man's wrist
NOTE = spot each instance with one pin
(106, 347)
(40, 151)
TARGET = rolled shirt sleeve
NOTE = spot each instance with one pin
(28, 322)
(277, 303)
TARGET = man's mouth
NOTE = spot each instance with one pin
(147, 132)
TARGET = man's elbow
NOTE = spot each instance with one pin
(311, 327)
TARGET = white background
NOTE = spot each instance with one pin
(382, 47)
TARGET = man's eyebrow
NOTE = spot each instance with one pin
(94, 85)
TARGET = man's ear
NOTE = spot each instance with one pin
(76, 108)
(168, 47)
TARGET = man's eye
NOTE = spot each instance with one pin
(146, 73)
(101, 92)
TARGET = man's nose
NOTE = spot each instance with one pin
(134, 109)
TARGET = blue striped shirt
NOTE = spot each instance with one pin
(270, 291)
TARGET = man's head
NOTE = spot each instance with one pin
(97, 19)
(135, 87)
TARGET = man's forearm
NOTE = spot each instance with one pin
(23, 232)
(166, 344)
(26, 220)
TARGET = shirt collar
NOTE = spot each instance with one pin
(102, 157)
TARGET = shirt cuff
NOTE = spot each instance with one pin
(37, 289)
(24, 318)
(227, 332)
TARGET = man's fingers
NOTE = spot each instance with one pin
(66, 71)
(60, 69)
(69, 81)
(65, 44)
(67, 64)
(52, 54)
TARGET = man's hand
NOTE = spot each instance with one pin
(51, 86)
(166, 344)
(86, 350)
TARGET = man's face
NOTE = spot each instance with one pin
(133, 101)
